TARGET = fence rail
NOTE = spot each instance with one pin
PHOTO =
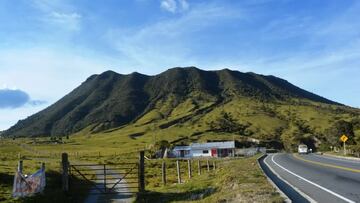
(177, 171)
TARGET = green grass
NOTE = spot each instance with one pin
(239, 180)
(250, 183)
(238, 177)
(9, 156)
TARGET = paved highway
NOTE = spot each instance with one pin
(314, 178)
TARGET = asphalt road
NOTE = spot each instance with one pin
(314, 178)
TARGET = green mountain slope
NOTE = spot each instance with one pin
(189, 103)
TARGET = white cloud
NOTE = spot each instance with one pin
(70, 21)
(174, 6)
(58, 13)
(169, 5)
(184, 4)
(165, 43)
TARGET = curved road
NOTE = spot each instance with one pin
(314, 178)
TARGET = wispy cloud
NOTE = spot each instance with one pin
(184, 5)
(167, 43)
(169, 5)
(70, 21)
(59, 13)
(174, 6)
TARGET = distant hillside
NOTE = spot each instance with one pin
(175, 97)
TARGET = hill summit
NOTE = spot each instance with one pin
(110, 100)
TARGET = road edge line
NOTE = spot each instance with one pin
(312, 183)
(285, 181)
(282, 194)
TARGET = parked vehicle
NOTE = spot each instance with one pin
(303, 149)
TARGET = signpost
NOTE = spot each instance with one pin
(344, 138)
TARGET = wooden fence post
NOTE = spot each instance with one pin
(208, 165)
(214, 165)
(104, 177)
(20, 166)
(189, 168)
(65, 172)
(178, 171)
(199, 167)
(163, 172)
(141, 172)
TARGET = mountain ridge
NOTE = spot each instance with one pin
(110, 99)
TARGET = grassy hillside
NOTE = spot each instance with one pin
(111, 100)
(182, 105)
(194, 120)
(197, 120)
(272, 121)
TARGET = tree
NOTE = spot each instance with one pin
(226, 123)
(162, 145)
(159, 148)
(340, 128)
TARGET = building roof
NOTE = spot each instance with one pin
(178, 148)
(217, 145)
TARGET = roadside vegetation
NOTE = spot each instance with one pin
(235, 180)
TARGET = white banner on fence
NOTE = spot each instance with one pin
(27, 186)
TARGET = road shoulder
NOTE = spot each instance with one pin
(340, 157)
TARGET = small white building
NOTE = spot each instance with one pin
(182, 151)
(210, 149)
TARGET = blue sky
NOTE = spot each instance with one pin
(48, 47)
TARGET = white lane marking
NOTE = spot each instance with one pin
(308, 181)
(285, 181)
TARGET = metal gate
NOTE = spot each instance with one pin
(103, 178)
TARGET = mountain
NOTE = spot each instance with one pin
(174, 97)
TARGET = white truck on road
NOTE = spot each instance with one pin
(303, 149)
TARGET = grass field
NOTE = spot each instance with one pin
(236, 180)
(243, 176)
(9, 156)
